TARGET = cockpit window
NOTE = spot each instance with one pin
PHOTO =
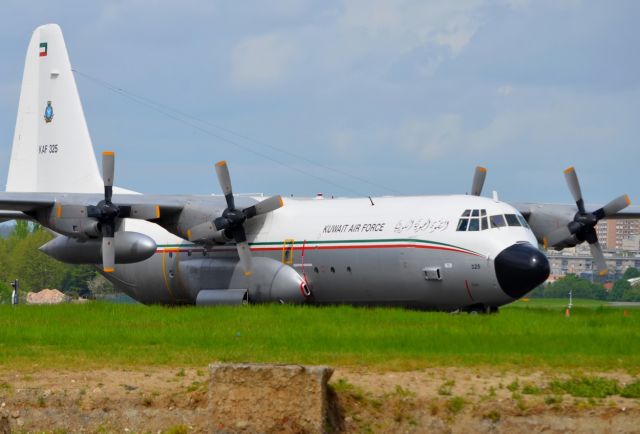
(497, 221)
(484, 223)
(522, 221)
(471, 220)
(474, 224)
(512, 220)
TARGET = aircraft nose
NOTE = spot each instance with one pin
(520, 268)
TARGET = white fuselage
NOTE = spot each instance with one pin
(406, 251)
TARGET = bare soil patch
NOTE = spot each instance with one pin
(447, 400)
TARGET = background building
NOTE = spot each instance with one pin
(613, 233)
(620, 240)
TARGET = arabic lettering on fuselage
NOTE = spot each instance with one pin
(417, 225)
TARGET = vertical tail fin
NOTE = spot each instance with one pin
(52, 150)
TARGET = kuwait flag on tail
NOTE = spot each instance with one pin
(43, 49)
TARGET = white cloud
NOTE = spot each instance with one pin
(261, 61)
(369, 36)
(505, 90)
(431, 139)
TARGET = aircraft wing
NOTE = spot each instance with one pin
(526, 209)
(173, 209)
(33, 202)
(545, 218)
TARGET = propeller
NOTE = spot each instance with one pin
(583, 224)
(478, 181)
(232, 220)
(108, 213)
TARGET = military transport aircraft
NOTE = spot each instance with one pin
(464, 252)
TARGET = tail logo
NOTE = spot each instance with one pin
(43, 49)
(48, 112)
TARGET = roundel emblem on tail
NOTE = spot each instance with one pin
(48, 112)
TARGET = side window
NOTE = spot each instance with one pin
(522, 221)
(462, 224)
(512, 220)
(497, 221)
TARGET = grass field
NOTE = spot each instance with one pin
(534, 334)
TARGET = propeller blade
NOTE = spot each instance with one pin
(108, 254)
(145, 212)
(203, 231)
(598, 258)
(270, 204)
(574, 186)
(478, 181)
(615, 206)
(244, 253)
(108, 168)
(222, 170)
(108, 164)
(558, 236)
(71, 211)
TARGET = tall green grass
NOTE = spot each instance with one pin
(101, 334)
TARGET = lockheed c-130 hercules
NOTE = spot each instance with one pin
(464, 252)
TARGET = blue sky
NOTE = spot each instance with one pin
(409, 95)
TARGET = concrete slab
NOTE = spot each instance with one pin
(262, 398)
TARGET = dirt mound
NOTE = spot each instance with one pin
(47, 296)
(439, 400)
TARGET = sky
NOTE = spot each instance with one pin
(349, 98)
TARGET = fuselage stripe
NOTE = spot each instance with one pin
(335, 244)
(307, 248)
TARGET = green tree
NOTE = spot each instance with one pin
(632, 294)
(78, 279)
(21, 230)
(5, 293)
(619, 288)
(580, 288)
(35, 269)
(631, 273)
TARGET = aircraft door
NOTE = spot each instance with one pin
(171, 276)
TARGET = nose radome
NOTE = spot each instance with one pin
(520, 268)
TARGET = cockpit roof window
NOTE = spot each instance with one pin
(466, 213)
(475, 213)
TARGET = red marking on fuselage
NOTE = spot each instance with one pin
(466, 285)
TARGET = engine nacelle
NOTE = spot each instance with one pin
(130, 247)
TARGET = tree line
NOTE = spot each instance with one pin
(581, 288)
(20, 258)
